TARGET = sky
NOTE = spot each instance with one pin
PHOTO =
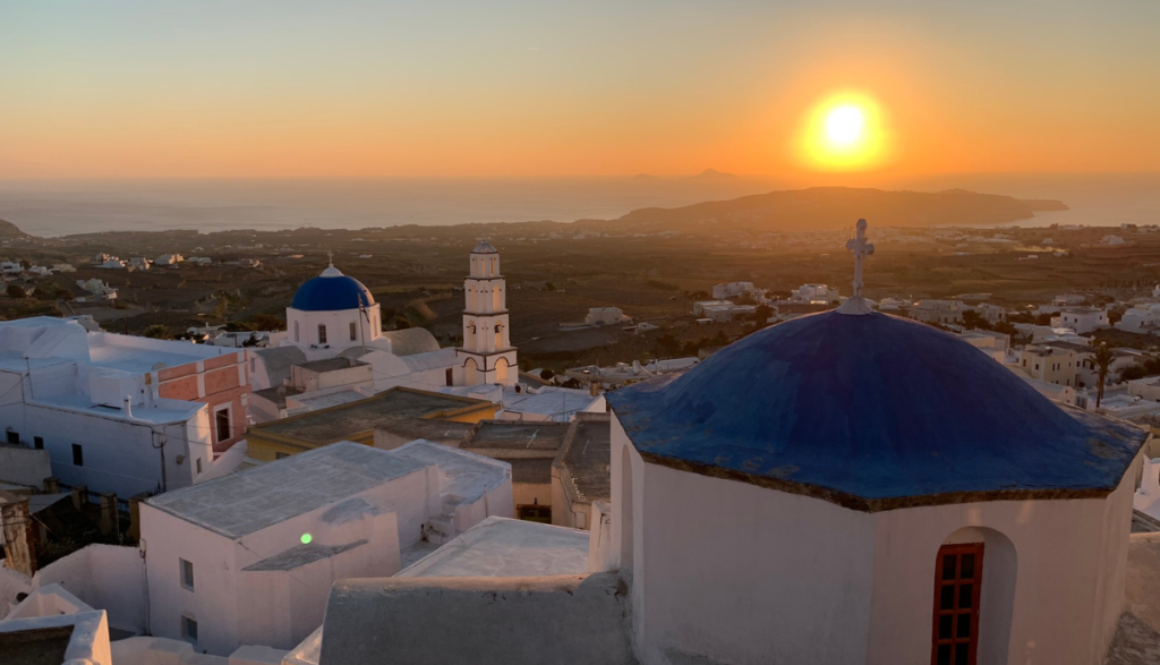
(547, 88)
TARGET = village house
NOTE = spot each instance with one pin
(732, 290)
(605, 316)
(1083, 320)
(942, 312)
(817, 294)
(250, 558)
(119, 413)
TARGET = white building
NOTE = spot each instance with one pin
(991, 313)
(992, 343)
(250, 558)
(817, 294)
(119, 413)
(487, 355)
(98, 288)
(700, 305)
(11, 268)
(838, 555)
(1083, 320)
(942, 312)
(731, 290)
(1141, 319)
(605, 316)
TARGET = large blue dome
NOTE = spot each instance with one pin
(872, 412)
(330, 292)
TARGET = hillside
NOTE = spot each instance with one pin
(830, 208)
(10, 230)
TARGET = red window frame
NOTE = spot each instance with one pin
(957, 593)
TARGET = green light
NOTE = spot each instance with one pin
(306, 538)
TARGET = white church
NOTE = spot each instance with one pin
(848, 487)
(336, 316)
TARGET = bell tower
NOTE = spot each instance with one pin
(487, 355)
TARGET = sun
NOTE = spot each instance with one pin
(845, 131)
(844, 124)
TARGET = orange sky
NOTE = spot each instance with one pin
(265, 88)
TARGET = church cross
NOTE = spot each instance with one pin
(330, 257)
(860, 249)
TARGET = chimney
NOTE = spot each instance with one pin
(128, 407)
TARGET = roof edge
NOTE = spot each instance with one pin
(862, 504)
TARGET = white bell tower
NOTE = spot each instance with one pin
(487, 355)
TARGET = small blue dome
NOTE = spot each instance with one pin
(872, 412)
(332, 291)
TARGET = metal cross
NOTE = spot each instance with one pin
(330, 255)
(860, 249)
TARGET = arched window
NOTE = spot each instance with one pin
(501, 370)
(958, 589)
(974, 598)
(296, 337)
(469, 372)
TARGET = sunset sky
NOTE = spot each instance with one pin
(260, 88)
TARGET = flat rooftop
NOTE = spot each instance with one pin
(500, 435)
(587, 457)
(466, 476)
(502, 547)
(440, 431)
(348, 420)
(243, 503)
(553, 402)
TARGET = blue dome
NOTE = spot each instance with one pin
(332, 292)
(872, 412)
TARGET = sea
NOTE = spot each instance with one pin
(52, 208)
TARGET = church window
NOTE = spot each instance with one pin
(957, 592)
(296, 338)
(450, 377)
(353, 335)
(322, 333)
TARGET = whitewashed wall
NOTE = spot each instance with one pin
(107, 577)
(747, 575)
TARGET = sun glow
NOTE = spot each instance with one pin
(844, 132)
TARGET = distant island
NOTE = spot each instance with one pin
(819, 208)
(813, 209)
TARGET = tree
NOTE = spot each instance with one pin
(14, 291)
(1103, 358)
(972, 319)
(761, 315)
(667, 345)
(158, 331)
(1005, 328)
